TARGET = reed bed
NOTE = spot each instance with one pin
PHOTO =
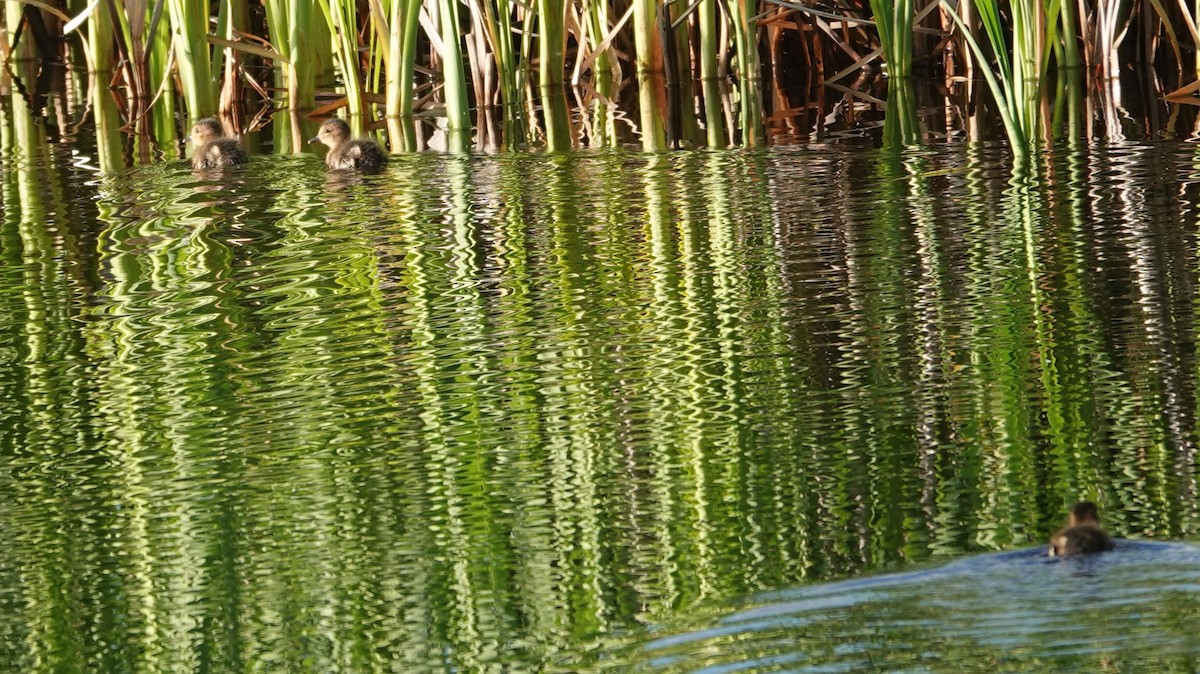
(557, 74)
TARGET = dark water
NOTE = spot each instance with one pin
(597, 412)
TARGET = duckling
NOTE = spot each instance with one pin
(344, 153)
(213, 147)
(1082, 535)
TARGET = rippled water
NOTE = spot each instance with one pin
(1132, 610)
(597, 412)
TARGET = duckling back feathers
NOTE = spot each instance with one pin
(213, 148)
(347, 153)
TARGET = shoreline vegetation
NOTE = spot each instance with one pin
(559, 74)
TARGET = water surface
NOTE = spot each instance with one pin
(1130, 610)
(533, 413)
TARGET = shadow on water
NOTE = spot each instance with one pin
(1011, 611)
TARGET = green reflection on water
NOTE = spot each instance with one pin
(473, 413)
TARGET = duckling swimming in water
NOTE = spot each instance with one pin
(213, 147)
(1082, 535)
(344, 153)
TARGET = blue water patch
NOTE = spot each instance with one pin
(1005, 611)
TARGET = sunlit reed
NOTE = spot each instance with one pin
(749, 67)
(454, 83)
(491, 74)
(343, 27)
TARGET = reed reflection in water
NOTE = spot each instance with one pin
(486, 413)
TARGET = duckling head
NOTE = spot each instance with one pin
(1084, 512)
(205, 131)
(332, 132)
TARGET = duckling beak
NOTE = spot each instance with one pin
(313, 139)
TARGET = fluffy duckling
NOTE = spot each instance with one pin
(213, 147)
(1082, 535)
(345, 153)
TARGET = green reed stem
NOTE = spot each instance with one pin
(104, 110)
(680, 72)
(1000, 81)
(1070, 36)
(894, 23)
(1017, 32)
(551, 39)
(901, 124)
(299, 35)
(401, 66)
(458, 110)
(107, 119)
(341, 17)
(710, 35)
(551, 64)
(651, 84)
(189, 21)
(499, 22)
(529, 102)
(749, 78)
(158, 61)
(604, 77)
(100, 34)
